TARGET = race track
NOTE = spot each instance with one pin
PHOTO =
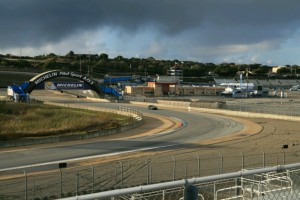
(197, 127)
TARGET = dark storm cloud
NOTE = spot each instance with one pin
(36, 22)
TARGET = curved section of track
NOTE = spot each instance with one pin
(197, 127)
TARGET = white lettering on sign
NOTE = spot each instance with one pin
(76, 75)
(88, 80)
(64, 73)
(70, 74)
(69, 85)
(45, 77)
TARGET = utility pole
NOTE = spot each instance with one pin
(145, 75)
(247, 71)
(21, 54)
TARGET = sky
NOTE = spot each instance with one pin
(239, 31)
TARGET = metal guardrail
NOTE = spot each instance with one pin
(78, 179)
(190, 193)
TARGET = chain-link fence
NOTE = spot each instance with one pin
(285, 107)
(274, 106)
(70, 179)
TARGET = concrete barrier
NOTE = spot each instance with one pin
(3, 98)
(186, 106)
(97, 99)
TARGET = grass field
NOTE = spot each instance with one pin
(39, 120)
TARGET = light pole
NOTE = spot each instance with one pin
(247, 82)
(145, 76)
(80, 63)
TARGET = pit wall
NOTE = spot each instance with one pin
(188, 107)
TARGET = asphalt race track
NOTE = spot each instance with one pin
(197, 127)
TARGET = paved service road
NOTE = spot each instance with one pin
(197, 126)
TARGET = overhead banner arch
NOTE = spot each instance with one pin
(37, 80)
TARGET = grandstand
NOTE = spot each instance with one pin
(254, 81)
(218, 81)
(287, 83)
(264, 83)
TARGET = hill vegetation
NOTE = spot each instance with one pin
(100, 65)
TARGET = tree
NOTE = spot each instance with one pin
(70, 54)
(261, 71)
(226, 70)
(284, 70)
(51, 55)
(119, 58)
(103, 56)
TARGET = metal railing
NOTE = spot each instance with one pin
(79, 178)
(274, 183)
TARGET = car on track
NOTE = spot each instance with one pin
(152, 107)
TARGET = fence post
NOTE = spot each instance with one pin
(61, 182)
(77, 184)
(221, 163)
(174, 167)
(215, 190)
(283, 156)
(242, 160)
(237, 183)
(147, 171)
(121, 165)
(93, 178)
(264, 158)
(116, 175)
(198, 165)
(25, 176)
(33, 187)
(190, 192)
(185, 171)
(150, 174)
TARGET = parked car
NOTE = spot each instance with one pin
(152, 107)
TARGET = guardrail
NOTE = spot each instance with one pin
(275, 183)
(79, 179)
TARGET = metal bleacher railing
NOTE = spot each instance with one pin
(278, 182)
(79, 180)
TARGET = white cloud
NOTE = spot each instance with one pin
(255, 59)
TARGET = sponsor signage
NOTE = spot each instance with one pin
(85, 81)
(68, 74)
(64, 85)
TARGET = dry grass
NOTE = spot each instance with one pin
(36, 120)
